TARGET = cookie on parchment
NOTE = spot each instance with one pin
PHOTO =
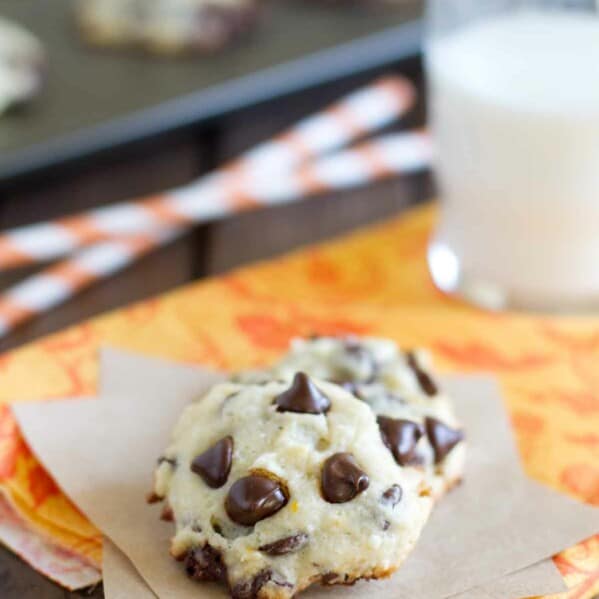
(166, 26)
(276, 486)
(416, 417)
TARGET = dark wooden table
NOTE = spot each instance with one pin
(208, 250)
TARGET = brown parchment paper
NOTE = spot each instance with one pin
(539, 579)
(102, 453)
(122, 581)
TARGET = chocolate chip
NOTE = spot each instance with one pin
(401, 437)
(424, 379)
(153, 498)
(342, 479)
(303, 397)
(217, 528)
(251, 589)
(214, 464)
(286, 545)
(171, 461)
(253, 498)
(329, 578)
(205, 564)
(442, 438)
(392, 496)
(386, 524)
(167, 514)
(357, 351)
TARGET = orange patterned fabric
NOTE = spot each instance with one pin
(373, 282)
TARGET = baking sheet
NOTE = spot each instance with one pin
(97, 98)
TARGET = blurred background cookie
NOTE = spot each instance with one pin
(21, 64)
(166, 26)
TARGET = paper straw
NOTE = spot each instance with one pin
(373, 160)
(370, 161)
(360, 113)
(56, 284)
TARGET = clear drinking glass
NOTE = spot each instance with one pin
(514, 104)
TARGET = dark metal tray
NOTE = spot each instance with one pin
(97, 99)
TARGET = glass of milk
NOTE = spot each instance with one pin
(514, 101)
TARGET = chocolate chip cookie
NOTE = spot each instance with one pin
(166, 26)
(278, 485)
(22, 64)
(416, 419)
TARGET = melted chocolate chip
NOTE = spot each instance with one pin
(303, 397)
(251, 588)
(424, 379)
(253, 498)
(329, 578)
(442, 438)
(286, 545)
(392, 496)
(217, 528)
(167, 514)
(153, 498)
(205, 564)
(342, 479)
(214, 464)
(401, 437)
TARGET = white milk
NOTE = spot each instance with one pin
(515, 104)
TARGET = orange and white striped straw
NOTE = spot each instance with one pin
(56, 284)
(223, 192)
(373, 160)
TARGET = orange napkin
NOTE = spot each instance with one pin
(373, 282)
